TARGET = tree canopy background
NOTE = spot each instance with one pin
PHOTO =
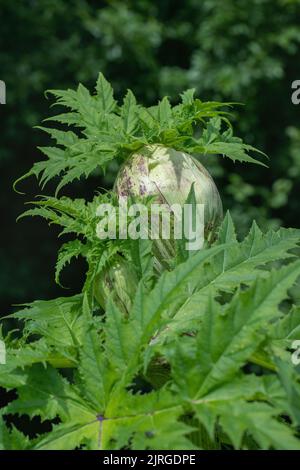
(230, 50)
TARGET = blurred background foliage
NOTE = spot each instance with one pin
(243, 51)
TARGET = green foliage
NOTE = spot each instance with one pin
(225, 50)
(227, 316)
(109, 131)
(99, 405)
(79, 218)
(241, 263)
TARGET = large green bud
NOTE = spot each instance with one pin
(118, 281)
(167, 175)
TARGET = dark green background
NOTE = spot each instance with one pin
(245, 51)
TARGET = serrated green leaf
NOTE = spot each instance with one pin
(239, 263)
(67, 252)
(105, 94)
(129, 113)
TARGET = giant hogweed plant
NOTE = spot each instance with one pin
(192, 353)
